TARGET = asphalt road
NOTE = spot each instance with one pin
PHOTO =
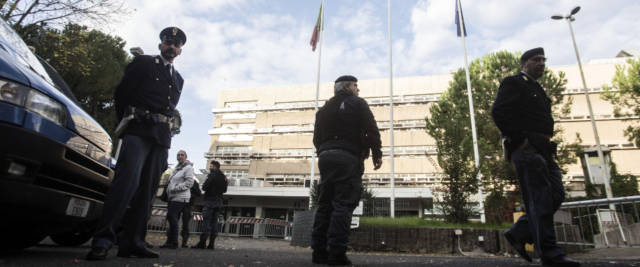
(247, 252)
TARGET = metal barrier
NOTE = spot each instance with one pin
(158, 221)
(234, 226)
(613, 222)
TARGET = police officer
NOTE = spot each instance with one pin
(344, 131)
(145, 100)
(522, 112)
(214, 187)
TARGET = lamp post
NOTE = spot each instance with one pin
(603, 166)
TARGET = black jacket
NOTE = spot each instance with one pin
(346, 122)
(522, 110)
(148, 85)
(195, 191)
(215, 185)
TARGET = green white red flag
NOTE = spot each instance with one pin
(316, 31)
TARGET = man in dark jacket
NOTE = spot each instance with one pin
(213, 187)
(145, 101)
(344, 131)
(522, 112)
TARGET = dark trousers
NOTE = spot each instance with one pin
(210, 217)
(136, 180)
(175, 211)
(542, 191)
(339, 193)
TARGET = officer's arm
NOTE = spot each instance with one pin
(316, 133)
(506, 108)
(226, 184)
(372, 134)
(207, 183)
(188, 182)
(129, 83)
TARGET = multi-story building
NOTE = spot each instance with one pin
(263, 139)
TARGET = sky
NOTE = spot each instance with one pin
(236, 44)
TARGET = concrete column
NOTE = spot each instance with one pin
(420, 208)
(259, 212)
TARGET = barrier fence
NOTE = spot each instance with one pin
(233, 226)
(613, 222)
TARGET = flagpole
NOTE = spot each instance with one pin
(471, 111)
(313, 153)
(393, 180)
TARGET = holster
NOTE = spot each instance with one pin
(540, 142)
(123, 125)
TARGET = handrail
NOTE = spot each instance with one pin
(616, 200)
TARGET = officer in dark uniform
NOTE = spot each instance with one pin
(344, 131)
(522, 112)
(215, 185)
(145, 100)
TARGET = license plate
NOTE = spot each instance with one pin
(78, 207)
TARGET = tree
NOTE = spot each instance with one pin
(91, 63)
(60, 12)
(626, 97)
(449, 124)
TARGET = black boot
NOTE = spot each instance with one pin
(212, 244)
(185, 243)
(319, 256)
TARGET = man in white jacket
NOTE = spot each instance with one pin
(179, 193)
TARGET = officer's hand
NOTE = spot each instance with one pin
(377, 162)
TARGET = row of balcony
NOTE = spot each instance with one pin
(308, 128)
(373, 101)
(304, 153)
(244, 158)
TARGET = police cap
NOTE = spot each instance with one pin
(173, 33)
(533, 52)
(346, 78)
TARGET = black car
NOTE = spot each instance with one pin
(55, 159)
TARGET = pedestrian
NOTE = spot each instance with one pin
(214, 187)
(144, 101)
(179, 196)
(522, 112)
(344, 131)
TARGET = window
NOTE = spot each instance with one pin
(236, 174)
(241, 104)
(231, 116)
(235, 138)
(238, 126)
(233, 149)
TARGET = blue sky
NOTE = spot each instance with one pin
(234, 44)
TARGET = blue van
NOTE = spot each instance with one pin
(55, 159)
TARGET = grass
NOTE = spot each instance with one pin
(415, 222)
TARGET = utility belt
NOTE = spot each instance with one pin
(140, 115)
(145, 115)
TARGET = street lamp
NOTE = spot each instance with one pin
(603, 165)
(605, 169)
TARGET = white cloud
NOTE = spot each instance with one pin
(240, 44)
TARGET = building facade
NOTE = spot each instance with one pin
(263, 139)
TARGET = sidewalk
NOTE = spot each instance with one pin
(236, 243)
(609, 254)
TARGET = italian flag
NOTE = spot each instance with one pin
(316, 31)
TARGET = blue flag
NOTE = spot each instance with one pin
(457, 20)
